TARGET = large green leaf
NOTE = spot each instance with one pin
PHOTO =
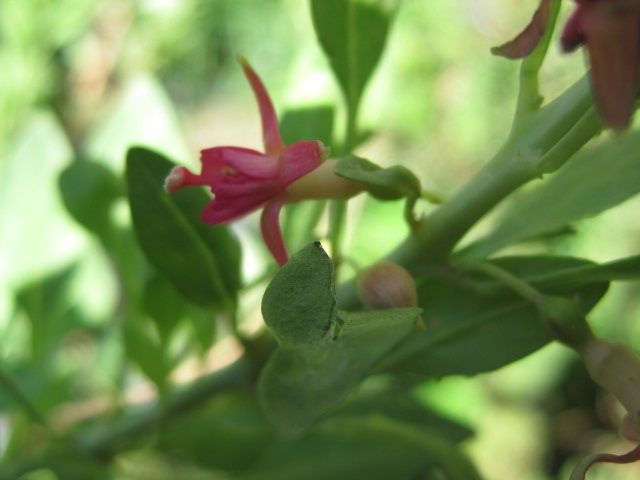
(353, 34)
(363, 448)
(299, 305)
(476, 325)
(50, 311)
(323, 354)
(89, 190)
(202, 262)
(595, 180)
(308, 124)
(36, 235)
(301, 383)
(228, 433)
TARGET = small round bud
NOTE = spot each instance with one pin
(387, 285)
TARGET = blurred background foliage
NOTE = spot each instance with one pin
(87, 79)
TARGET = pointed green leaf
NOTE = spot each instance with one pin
(299, 305)
(88, 191)
(49, 310)
(201, 261)
(353, 34)
(391, 183)
(599, 178)
(300, 383)
(476, 325)
(145, 350)
(308, 124)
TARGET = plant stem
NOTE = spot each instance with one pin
(543, 141)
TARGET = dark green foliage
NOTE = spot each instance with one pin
(201, 261)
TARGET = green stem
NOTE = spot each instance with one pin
(562, 316)
(106, 440)
(543, 140)
(529, 99)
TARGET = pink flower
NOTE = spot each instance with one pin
(610, 31)
(245, 180)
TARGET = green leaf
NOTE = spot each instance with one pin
(391, 183)
(229, 433)
(36, 235)
(476, 325)
(163, 305)
(49, 310)
(358, 448)
(299, 305)
(201, 261)
(403, 407)
(353, 34)
(300, 383)
(88, 191)
(308, 124)
(145, 350)
(599, 178)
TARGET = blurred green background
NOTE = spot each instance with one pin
(87, 79)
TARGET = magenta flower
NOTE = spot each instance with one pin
(245, 180)
(610, 31)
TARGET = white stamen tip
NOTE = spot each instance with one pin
(175, 180)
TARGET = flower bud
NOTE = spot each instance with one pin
(617, 369)
(387, 285)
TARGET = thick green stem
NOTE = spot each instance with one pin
(543, 141)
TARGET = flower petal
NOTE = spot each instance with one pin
(572, 36)
(250, 163)
(299, 159)
(613, 41)
(522, 45)
(226, 209)
(271, 233)
(270, 133)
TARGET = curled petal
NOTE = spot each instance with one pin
(224, 209)
(580, 470)
(572, 36)
(250, 163)
(218, 161)
(301, 158)
(613, 41)
(526, 42)
(271, 233)
(270, 133)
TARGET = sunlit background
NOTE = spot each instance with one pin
(90, 78)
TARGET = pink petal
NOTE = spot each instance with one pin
(270, 133)
(227, 209)
(572, 36)
(271, 233)
(299, 159)
(613, 41)
(522, 45)
(219, 160)
(251, 163)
